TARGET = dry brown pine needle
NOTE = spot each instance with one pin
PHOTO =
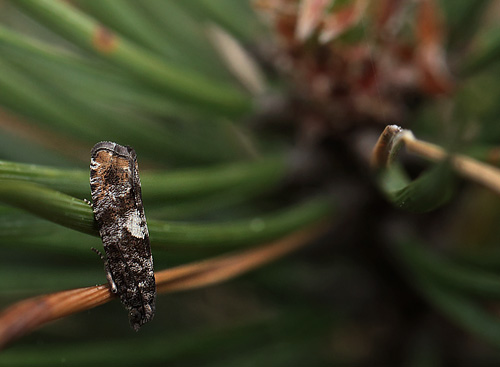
(26, 316)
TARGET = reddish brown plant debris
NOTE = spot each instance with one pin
(430, 53)
(104, 40)
(358, 62)
(338, 22)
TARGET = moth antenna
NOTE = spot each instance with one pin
(99, 253)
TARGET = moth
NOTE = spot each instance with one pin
(119, 212)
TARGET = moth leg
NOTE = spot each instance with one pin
(89, 203)
(111, 282)
(109, 277)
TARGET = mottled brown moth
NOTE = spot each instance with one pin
(118, 210)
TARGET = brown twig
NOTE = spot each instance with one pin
(392, 137)
(28, 315)
(384, 148)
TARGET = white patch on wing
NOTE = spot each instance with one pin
(134, 225)
(94, 163)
